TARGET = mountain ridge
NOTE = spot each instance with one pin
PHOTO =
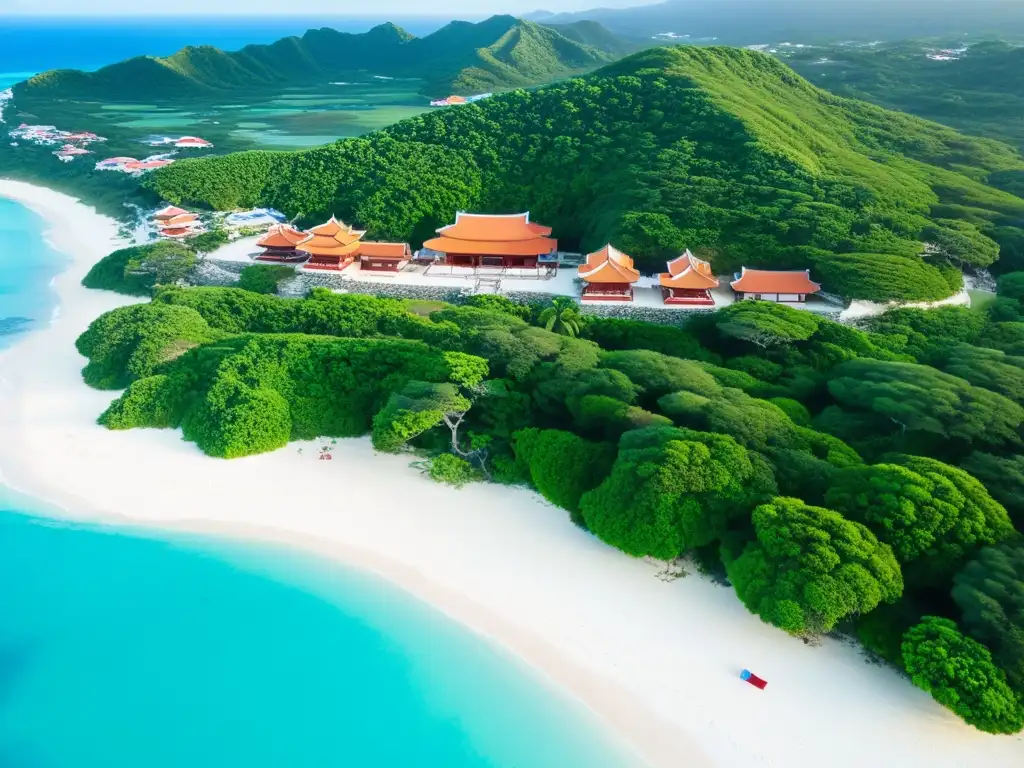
(461, 57)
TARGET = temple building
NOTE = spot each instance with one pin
(688, 281)
(332, 245)
(180, 225)
(609, 275)
(383, 257)
(164, 213)
(279, 244)
(500, 241)
(770, 285)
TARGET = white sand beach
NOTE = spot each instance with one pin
(658, 662)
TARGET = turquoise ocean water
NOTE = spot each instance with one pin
(27, 265)
(129, 649)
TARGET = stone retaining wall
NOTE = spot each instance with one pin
(216, 272)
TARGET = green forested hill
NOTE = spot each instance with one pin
(722, 150)
(980, 92)
(500, 52)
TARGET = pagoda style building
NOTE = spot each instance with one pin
(164, 213)
(279, 244)
(383, 257)
(609, 275)
(181, 225)
(688, 281)
(770, 285)
(501, 241)
(332, 245)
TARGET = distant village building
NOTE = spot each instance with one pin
(608, 275)
(182, 142)
(383, 257)
(770, 285)
(688, 281)
(192, 142)
(69, 152)
(331, 245)
(174, 222)
(168, 213)
(132, 166)
(280, 243)
(494, 241)
(452, 101)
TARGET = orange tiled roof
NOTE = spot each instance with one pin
(493, 235)
(281, 236)
(180, 220)
(166, 213)
(385, 250)
(339, 230)
(769, 281)
(332, 238)
(688, 272)
(608, 265)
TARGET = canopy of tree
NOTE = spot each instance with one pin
(810, 567)
(137, 269)
(990, 593)
(960, 674)
(671, 490)
(923, 508)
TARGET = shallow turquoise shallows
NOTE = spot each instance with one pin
(119, 649)
(27, 266)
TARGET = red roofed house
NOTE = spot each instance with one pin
(609, 275)
(770, 285)
(486, 240)
(688, 281)
(182, 225)
(383, 257)
(279, 244)
(163, 214)
(192, 141)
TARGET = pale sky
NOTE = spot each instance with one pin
(378, 8)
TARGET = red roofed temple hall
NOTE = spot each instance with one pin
(332, 245)
(609, 275)
(769, 285)
(383, 257)
(488, 240)
(688, 281)
(280, 242)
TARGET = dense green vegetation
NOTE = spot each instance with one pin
(136, 269)
(264, 278)
(724, 151)
(978, 92)
(461, 57)
(841, 478)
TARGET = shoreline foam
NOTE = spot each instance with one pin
(657, 662)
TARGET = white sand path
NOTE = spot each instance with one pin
(658, 662)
